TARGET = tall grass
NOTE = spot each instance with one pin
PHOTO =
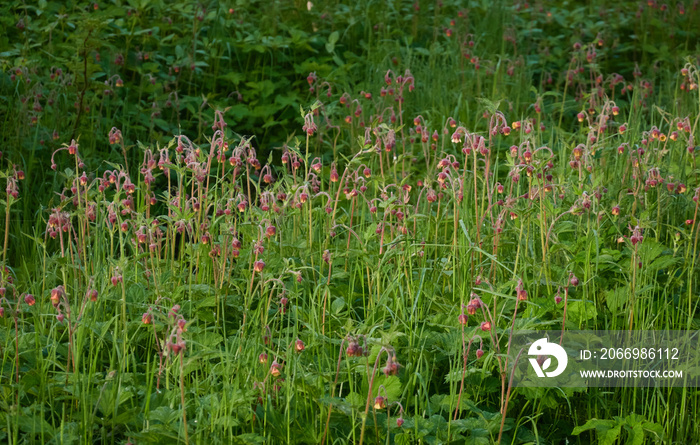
(352, 273)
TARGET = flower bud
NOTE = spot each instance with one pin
(379, 402)
(573, 280)
(275, 369)
(56, 294)
(258, 266)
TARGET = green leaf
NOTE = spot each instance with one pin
(663, 262)
(233, 77)
(194, 289)
(250, 438)
(338, 305)
(164, 414)
(34, 425)
(227, 421)
(607, 430)
(403, 439)
(330, 45)
(355, 399)
(581, 311)
(617, 297)
(333, 38)
(609, 437)
(338, 61)
(491, 107)
(207, 302)
(654, 428)
(636, 434)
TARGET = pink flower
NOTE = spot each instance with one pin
(258, 266)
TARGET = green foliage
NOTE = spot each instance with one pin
(635, 429)
(288, 222)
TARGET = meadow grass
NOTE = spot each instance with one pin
(223, 228)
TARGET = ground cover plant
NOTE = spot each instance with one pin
(292, 222)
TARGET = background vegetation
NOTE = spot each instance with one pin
(288, 222)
